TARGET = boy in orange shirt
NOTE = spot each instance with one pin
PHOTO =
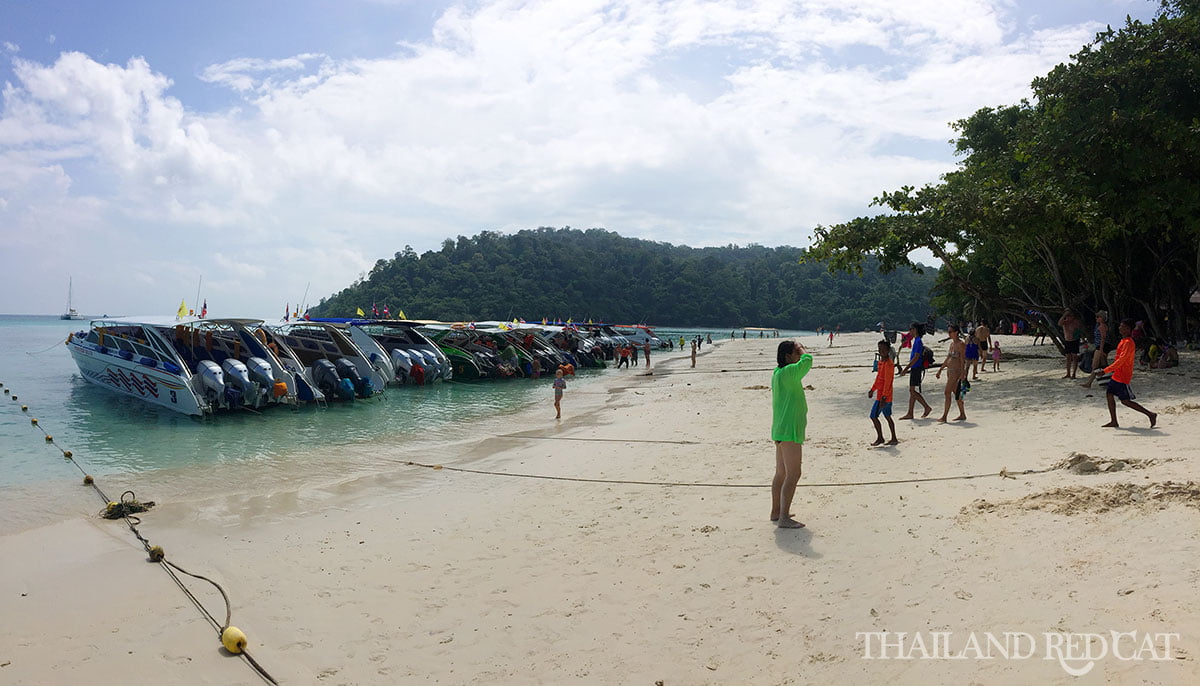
(882, 390)
(1122, 373)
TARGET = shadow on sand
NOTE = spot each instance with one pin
(796, 542)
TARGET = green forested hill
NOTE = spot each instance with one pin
(599, 275)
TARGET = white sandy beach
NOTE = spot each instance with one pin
(386, 573)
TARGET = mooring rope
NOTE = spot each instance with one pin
(121, 509)
(1003, 474)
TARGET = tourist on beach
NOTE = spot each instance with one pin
(916, 371)
(536, 366)
(633, 351)
(983, 336)
(971, 355)
(646, 352)
(956, 379)
(1072, 329)
(789, 419)
(560, 385)
(1122, 374)
(882, 390)
(995, 356)
(1103, 339)
(831, 338)
(1039, 332)
(693, 354)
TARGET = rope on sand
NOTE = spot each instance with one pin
(231, 637)
(1003, 474)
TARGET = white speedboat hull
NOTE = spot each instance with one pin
(130, 377)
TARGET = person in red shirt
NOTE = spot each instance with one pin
(1122, 374)
(882, 390)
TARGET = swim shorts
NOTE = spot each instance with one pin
(1119, 390)
(1072, 347)
(973, 352)
(881, 408)
(914, 377)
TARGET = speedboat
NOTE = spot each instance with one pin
(402, 344)
(335, 364)
(159, 360)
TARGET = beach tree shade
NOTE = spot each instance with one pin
(1086, 197)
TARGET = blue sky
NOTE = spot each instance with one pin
(273, 147)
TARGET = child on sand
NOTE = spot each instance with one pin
(995, 356)
(560, 385)
(882, 390)
(1122, 374)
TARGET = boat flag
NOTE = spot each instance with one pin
(543, 321)
(204, 309)
(386, 314)
(374, 310)
(402, 315)
(182, 312)
(287, 311)
(360, 312)
(306, 317)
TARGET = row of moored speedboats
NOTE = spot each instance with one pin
(197, 366)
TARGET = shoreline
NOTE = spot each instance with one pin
(405, 574)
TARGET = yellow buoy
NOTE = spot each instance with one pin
(157, 553)
(88, 480)
(68, 454)
(49, 438)
(33, 421)
(233, 639)
(24, 408)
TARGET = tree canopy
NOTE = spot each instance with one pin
(600, 275)
(1088, 197)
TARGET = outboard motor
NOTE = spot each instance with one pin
(260, 371)
(361, 386)
(237, 377)
(403, 365)
(212, 379)
(433, 366)
(326, 378)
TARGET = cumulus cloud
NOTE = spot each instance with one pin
(685, 120)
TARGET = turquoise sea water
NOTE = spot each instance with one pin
(111, 434)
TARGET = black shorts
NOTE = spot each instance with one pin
(914, 377)
(1119, 390)
(1072, 347)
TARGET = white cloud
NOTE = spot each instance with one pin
(11, 47)
(513, 114)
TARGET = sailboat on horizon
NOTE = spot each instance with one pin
(70, 313)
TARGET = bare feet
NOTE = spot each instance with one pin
(1086, 385)
(960, 417)
(926, 412)
(789, 523)
(1111, 425)
(878, 441)
(894, 441)
(775, 516)
(907, 416)
(1153, 419)
(942, 419)
(1067, 376)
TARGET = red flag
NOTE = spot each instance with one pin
(287, 311)
(204, 309)
(385, 311)
(374, 310)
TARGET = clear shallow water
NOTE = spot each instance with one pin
(110, 433)
(113, 434)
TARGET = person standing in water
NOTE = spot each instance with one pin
(789, 419)
(560, 385)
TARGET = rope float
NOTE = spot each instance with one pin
(124, 508)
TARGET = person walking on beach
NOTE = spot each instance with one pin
(1072, 329)
(956, 379)
(789, 419)
(971, 355)
(646, 352)
(916, 371)
(995, 355)
(693, 354)
(1122, 374)
(882, 390)
(560, 385)
(831, 338)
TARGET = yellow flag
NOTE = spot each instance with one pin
(182, 310)
(360, 312)
(402, 315)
